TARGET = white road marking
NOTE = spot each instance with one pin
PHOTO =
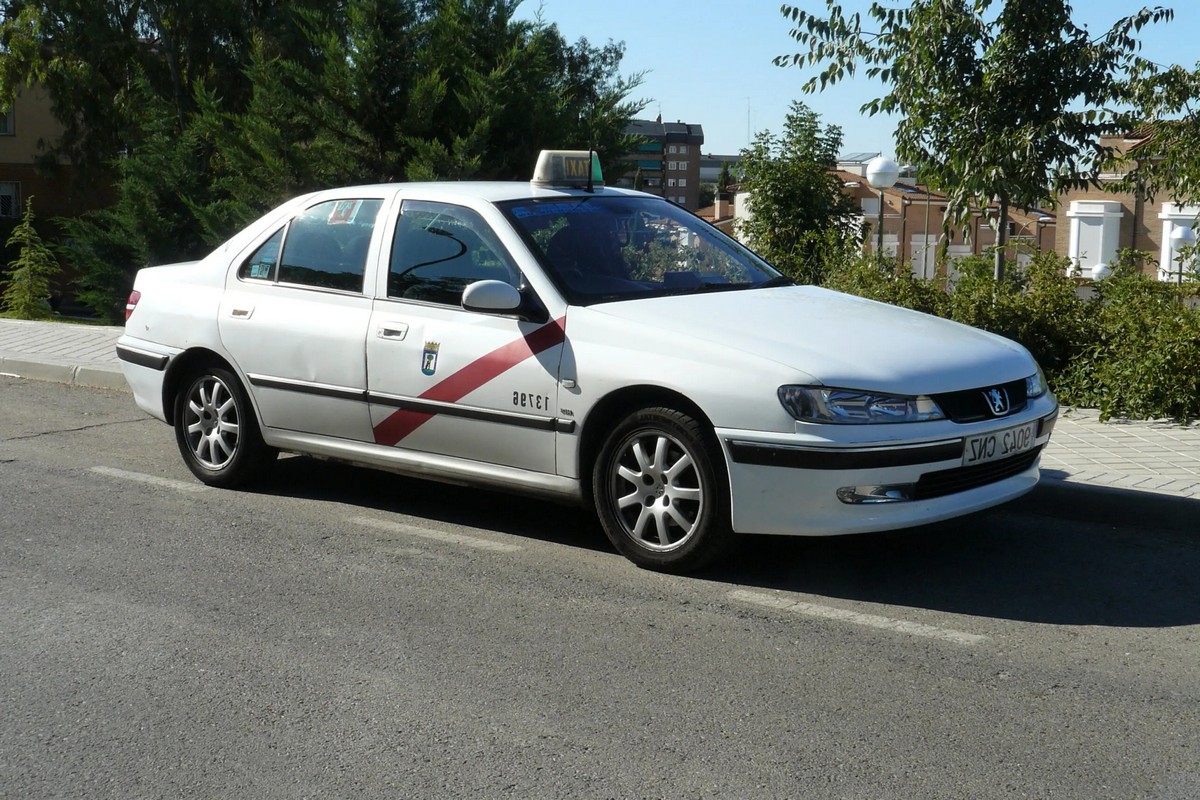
(439, 536)
(868, 620)
(153, 480)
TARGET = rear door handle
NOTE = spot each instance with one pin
(393, 330)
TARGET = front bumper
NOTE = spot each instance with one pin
(808, 484)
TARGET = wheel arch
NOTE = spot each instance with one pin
(616, 405)
(182, 367)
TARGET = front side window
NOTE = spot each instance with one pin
(439, 249)
(600, 248)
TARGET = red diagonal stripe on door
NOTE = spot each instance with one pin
(460, 384)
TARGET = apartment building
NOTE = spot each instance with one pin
(667, 163)
(25, 132)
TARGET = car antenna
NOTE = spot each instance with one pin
(591, 172)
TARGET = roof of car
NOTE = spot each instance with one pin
(489, 191)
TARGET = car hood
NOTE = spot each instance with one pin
(835, 339)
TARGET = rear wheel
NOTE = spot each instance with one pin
(216, 431)
(658, 495)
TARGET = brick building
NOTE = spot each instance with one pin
(667, 163)
(1095, 223)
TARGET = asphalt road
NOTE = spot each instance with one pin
(343, 633)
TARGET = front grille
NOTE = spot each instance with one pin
(970, 405)
(959, 479)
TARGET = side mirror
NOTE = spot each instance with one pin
(491, 296)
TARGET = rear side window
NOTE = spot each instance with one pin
(325, 247)
(439, 249)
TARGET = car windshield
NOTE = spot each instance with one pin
(600, 248)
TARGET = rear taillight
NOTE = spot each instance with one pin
(131, 303)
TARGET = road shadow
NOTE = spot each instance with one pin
(518, 515)
(1061, 555)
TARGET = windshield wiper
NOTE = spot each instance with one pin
(711, 287)
(778, 280)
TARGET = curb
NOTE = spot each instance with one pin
(98, 377)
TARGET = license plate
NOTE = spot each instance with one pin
(999, 444)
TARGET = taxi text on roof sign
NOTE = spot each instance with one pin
(568, 168)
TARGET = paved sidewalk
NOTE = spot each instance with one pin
(1158, 457)
(61, 351)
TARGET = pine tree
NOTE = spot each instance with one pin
(28, 288)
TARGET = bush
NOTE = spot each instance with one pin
(1144, 357)
(877, 279)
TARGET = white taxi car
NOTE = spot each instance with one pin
(581, 343)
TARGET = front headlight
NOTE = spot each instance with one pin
(1035, 385)
(852, 407)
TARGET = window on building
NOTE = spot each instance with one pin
(8, 123)
(10, 199)
(683, 165)
(671, 182)
(1095, 226)
(673, 149)
(1172, 262)
(682, 183)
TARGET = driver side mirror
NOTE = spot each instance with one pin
(491, 296)
(498, 297)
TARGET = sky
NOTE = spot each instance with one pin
(709, 61)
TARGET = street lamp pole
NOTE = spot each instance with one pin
(882, 174)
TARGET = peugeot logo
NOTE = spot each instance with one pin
(997, 400)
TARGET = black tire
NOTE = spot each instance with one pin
(217, 432)
(659, 494)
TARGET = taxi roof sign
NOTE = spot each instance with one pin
(563, 168)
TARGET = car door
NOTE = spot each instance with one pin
(295, 316)
(444, 380)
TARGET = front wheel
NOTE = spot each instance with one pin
(657, 494)
(217, 434)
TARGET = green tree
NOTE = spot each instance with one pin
(204, 115)
(28, 288)
(90, 54)
(724, 178)
(797, 205)
(996, 99)
(1167, 160)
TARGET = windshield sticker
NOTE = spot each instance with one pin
(556, 209)
(344, 212)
